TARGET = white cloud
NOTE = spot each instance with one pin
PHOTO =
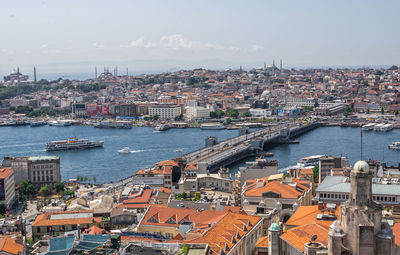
(257, 48)
(176, 42)
(43, 46)
(98, 45)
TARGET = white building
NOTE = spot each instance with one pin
(165, 112)
(197, 112)
(7, 186)
(258, 112)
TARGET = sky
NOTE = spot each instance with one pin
(73, 36)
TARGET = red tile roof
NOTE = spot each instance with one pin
(8, 244)
(5, 172)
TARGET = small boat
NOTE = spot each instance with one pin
(394, 146)
(178, 150)
(60, 123)
(125, 150)
(162, 127)
(38, 123)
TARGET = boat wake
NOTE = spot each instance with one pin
(19, 145)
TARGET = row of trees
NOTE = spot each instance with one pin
(85, 179)
(30, 112)
(27, 190)
(234, 113)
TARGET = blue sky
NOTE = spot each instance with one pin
(156, 35)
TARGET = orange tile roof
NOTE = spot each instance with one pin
(167, 163)
(95, 230)
(162, 214)
(396, 233)
(8, 244)
(299, 236)
(142, 199)
(44, 219)
(262, 242)
(308, 214)
(133, 206)
(5, 172)
(164, 190)
(285, 190)
(228, 231)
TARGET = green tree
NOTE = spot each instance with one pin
(26, 189)
(316, 104)
(3, 208)
(246, 114)
(368, 111)
(213, 115)
(316, 173)
(94, 179)
(234, 113)
(396, 112)
(45, 190)
(228, 121)
(59, 186)
(347, 111)
(85, 179)
(220, 114)
(382, 110)
(154, 117)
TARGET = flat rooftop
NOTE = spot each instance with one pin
(36, 158)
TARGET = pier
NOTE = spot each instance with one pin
(227, 152)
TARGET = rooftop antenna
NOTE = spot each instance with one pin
(361, 145)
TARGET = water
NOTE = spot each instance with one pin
(150, 147)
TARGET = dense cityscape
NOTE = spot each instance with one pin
(199, 127)
(193, 204)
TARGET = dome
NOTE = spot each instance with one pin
(274, 227)
(361, 167)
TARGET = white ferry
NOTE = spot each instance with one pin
(386, 127)
(72, 144)
(309, 161)
(60, 123)
(114, 124)
(211, 126)
(125, 150)
(394, 146)
(162, 127)
(368, 127)
(378, 127)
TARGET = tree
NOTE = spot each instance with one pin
(59, 186)
(3, 208)
(233, 113)
(213, 115)
(316, 173)
(393, 67)
(246, 114)
(85, 179)
(45, 190)
(94, 179)
(347, 111)
(367, 111)
(220, 114)
(26, 189)
(228, 121)
(316, 104)
(396, 112)
(382, 110)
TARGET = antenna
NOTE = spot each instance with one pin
(361, 145)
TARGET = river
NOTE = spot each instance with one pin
(150, 147)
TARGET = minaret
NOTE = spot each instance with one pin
(280, 65)
(34, 74)
(127, 72)
(95, 72)
(274, 233)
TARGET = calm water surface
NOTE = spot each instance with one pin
(150, 147)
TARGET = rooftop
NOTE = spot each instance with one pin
(37, 158)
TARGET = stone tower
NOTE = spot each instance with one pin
(274, 243)
(359, 228)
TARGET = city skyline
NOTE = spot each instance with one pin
(155, 36)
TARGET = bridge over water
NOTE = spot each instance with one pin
(229, 151)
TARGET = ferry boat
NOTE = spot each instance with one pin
(211, 126)
(378, 127)
(309, 161)
(386, 127)
(60, 123)
(125, 150)
(114, 124)
(368, 127)
(72, 144)
(394, 146)
(38, 123)
(162, 127)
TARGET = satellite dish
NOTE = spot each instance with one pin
(313, 238)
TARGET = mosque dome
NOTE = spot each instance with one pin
(361, 167)
(274, 227)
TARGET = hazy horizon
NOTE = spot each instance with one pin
(151, 36)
